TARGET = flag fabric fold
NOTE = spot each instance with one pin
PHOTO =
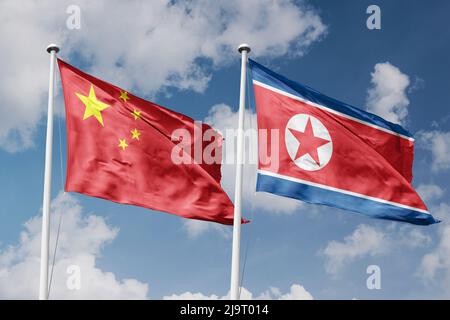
(126, 149)
(332, 153)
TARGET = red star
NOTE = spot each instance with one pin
(308, 142)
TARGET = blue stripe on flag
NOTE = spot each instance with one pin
(317, 195)
(268, 77)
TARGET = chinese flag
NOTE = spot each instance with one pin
(125, 149)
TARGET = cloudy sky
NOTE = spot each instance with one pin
(183, 55)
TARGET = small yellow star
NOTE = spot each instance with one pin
(124, 96)
(135, 134)
(123, 144)
(136, 114)
(93, 107)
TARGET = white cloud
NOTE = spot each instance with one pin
(387, 95)
(409, 237)
(435, 266)
(25, 31)
(194, 228)
(144, 46)
(438, 143)
(365, 240)
(430, 192)
(81, 241)
(368, 241)
(191, 296)
(296, 292)
(442, 211)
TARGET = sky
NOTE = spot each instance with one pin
(183, 55)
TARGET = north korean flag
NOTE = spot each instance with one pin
(323, 151)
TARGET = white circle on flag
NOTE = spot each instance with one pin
(308, 142)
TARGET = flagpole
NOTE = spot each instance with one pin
(244, 49)
(45, 239)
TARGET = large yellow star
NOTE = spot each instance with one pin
(93, 106)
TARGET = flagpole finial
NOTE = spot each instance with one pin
(244, 47)
(52, 47)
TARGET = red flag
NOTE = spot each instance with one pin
(122, 148)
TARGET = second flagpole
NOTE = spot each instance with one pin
(45, 238)
(244, 49)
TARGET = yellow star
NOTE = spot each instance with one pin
(93, 106)
(136, 114)
(135, 134)
(123, 144)
(124, 96)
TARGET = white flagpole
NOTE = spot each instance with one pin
(244, 49)
(43, 280)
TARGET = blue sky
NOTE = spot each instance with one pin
(198, 68)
